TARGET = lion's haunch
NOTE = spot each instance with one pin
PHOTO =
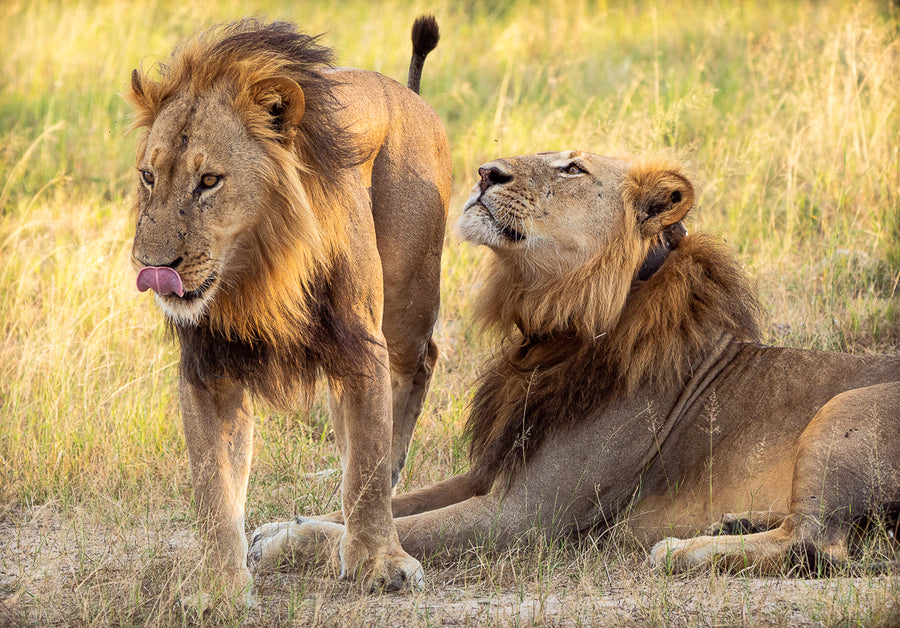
(161, 279)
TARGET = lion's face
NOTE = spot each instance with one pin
(198, 193)
(551, 210)
(571, 232)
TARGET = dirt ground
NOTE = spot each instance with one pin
(65, 566)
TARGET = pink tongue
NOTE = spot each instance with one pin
(161, 279)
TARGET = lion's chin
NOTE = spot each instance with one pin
(478, 226)
(185, 311)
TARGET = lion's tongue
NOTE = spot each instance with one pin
(161, 279)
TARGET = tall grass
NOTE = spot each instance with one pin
(786, 111)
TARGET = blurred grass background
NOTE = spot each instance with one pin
(787, 113)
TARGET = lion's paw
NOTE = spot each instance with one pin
(661, 552)
(267, 544)
(383, 572)
(274, 545)
(202, 603)
(731, 524)
(679, 555)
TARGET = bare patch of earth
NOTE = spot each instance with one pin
(67, 566)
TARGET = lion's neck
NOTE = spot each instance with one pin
(281, 365)
(673, 319)
(584, 301)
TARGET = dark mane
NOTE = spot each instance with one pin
(280, 373)
(538, 386)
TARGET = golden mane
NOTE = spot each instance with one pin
(268, 297)
(587, 300)
(575, 353)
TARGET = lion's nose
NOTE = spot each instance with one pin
(492, 174)
(146, 261)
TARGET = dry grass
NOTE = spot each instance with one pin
(787, 111)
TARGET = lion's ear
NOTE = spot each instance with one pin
(136, 87)
(662, 199)
(142, 96)
(283, 98)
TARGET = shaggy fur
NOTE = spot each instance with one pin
(542, 384)
(278, 372)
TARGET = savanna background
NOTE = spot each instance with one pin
(787, 112)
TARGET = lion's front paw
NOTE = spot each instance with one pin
(382, 571)
(227, 598)
(275, 545)
(267, 546)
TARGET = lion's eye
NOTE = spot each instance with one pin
(208, 181)
(148, 177)
(572, 169)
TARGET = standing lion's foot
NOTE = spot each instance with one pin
(380, 571)
(288, 543)
(224, 595)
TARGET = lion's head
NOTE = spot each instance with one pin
(570, 231)
(238, 174)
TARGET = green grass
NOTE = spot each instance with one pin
(787, 112)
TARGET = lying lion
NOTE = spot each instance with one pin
(634, 382)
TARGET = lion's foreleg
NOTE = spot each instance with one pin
(370, 549)
(218, 429)
(445, 493)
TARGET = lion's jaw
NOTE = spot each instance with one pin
(195, 175)
(547, 213)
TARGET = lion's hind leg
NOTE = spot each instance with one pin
(410, 380)
(847, 468)
(765, 552)
(778, 551)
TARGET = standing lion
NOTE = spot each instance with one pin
(290, 219)
(631, 383)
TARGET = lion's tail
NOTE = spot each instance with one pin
(425, 37)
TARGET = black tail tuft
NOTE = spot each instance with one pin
(425, 37)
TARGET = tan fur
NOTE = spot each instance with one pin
(635, 390)
(315, 248)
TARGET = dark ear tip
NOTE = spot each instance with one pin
(136, 82)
